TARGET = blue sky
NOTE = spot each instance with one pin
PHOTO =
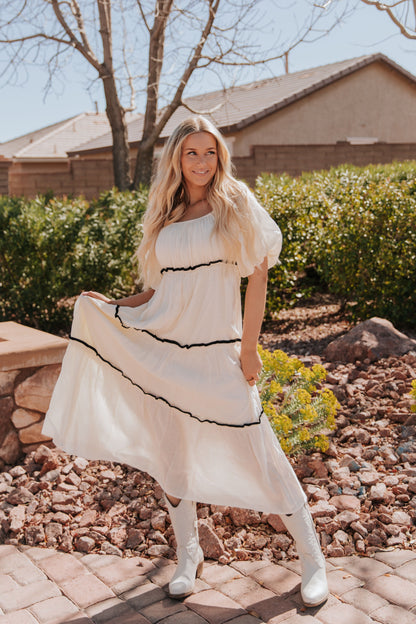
(24, 108)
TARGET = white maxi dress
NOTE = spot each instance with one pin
(160, 387)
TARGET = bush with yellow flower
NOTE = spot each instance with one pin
(300, 412)
(413, 395)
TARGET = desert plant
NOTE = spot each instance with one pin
(300, 412)
(413, 395)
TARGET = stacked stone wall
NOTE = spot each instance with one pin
(24, 400)
(30, 363)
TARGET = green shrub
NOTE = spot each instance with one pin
(350, 230)
(367, 247)
(51, 249)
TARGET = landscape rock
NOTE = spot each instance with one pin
(34, 535)
(84, 544)
(377, 492)
(240, 517)
(19, 496)
(370, 340)
(276, 523)
(17, 518)
(211, 545)
(345, 502)
(362, 491)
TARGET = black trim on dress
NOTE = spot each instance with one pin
(160, 398)
(195, 266)
(170, 341)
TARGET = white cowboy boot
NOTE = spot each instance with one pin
(314, 587)
(188, 551)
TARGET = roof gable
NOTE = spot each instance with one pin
(12, 147)
(237, 107)
(53, 142)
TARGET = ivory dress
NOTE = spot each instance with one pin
(160, 387)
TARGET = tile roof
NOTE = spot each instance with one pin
(234, 108)
(53, 142)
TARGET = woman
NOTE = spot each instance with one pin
(164, 380)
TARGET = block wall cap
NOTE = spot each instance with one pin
(25, 347)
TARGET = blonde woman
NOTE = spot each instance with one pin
(164, 380)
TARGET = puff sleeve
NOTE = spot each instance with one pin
(267, 240)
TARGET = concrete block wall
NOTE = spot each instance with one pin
(4, 175)
(294, 159)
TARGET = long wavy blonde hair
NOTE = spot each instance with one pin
(169, 199)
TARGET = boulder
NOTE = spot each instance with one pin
(373, 339)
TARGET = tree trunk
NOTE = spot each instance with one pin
(116, 117)
(144, 165)
(144, 161)
(115, 111)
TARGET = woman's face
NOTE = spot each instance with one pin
(199, 159)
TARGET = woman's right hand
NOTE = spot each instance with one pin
(95, 295)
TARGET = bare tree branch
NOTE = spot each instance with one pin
(384, 7)
(399, 19)
(143, 16)
(119, 38)
(177, 98)
(85, 51)
(37, 36)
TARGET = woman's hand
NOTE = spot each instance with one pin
(251, 365)
(95, 295)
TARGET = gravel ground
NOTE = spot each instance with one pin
(362, 492)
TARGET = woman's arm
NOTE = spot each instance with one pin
(254, 303)
(132, 302)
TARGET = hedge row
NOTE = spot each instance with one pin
(52, 249)
(350, 230)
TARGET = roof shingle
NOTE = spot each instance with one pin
(234, 108)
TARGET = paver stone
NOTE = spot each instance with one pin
(162, 609)
(18, 617)
(364, 568)
(364, 600)
(213, 606)
(397, 590)
(54, 610)
(86, 590)
(407, 571)
(391, 614)
(344, 614)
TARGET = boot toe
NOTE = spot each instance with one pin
(315, 591)
(180, 588)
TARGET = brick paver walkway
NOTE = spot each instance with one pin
(44, 586)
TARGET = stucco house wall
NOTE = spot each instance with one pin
(374, 102)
